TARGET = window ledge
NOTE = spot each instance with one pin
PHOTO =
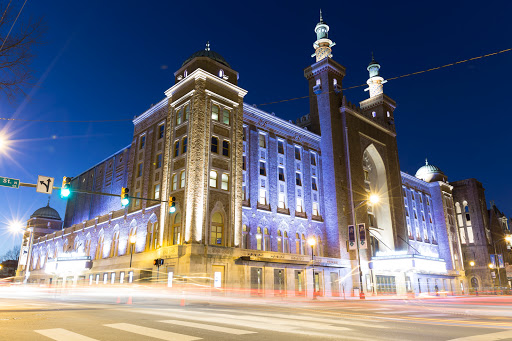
(263, 207)
(283, 210)
(246, 203)
(301, 214)
(317, 218)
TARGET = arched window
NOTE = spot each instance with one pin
(266, 239)
(320, 247)
(335, 82)
(245, 237)
(303, 242)
(132, 241)
(286, 242)
(114, 247)
(221, 73)
(99, 247)
(279, 241)
(298, 247)
(87, 249)
(152, 236)
(259, 238)
(176, 229)
(217, 229)
(65, 246)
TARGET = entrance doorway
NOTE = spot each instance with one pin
(279, 282)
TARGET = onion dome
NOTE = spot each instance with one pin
(46, 213)
(207, 53)
(430, 173)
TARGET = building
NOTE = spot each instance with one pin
(252, 189)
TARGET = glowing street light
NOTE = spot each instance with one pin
(374, 199)
(472, 263)
(508, 238)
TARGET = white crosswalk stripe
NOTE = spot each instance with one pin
(152, 332)
(60, 334)
(209, 327)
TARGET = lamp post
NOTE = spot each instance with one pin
(312, 242)
(373, 199)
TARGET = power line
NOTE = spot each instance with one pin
(7, 36)
(63, 121)
(406, 75)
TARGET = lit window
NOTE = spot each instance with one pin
(299, 205)
(266, 237)
(374, 114)
(280, 147)
(161, 131)
(313, 184)
(225, 148)
(174, 182)
(176, 227)
(142, 141)
(318, 82)
(263, 196)
(176, 148)
(216, 229)
(334, 81)
(215, 112)
(225, 181)
(137, 201)
(157, 191)
(263, 170)
(281, 174)
(262, 141)
(315, 209)
(182, 179)
(221, 73)
(258, 239)
(313, 159)
(213, 179)
(298, 180)
(282, 200)
(187, 112)
(215, 145)
(367, 176)
(225, 116)
(139, 171)
(297, 153)
(158, 161)
(179, 117)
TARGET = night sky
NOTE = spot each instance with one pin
(113, 59)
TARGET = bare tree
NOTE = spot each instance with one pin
(18, 36)
(12, 254)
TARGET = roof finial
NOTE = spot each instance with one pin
(321, 19)
(49, 198)
(426, 162)
(207, 48)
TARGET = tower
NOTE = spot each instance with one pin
(375, 82)
(322, 44)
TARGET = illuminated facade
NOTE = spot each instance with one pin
(252, 189)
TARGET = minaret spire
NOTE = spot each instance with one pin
(207, 48)
(375, 81)
(321, 20)
(322, 44)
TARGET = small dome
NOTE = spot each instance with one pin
(207, 53)
(430, 173)
(47, 213)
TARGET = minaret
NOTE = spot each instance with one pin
(322, 44)
(375, 82)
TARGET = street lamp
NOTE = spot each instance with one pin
(312, 242)
(373, 199)
(472, 263)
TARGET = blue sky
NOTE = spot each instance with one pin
(113, 59)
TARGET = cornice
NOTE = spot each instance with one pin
(150, 111)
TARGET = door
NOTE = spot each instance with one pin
(257, 281)
(279, 282)
(299, 283)
(335, 285)
(218, 276)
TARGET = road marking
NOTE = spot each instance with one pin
(506, 335)
(60, 334)
(209, 327)
(152, 332)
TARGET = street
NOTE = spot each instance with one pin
(152, 315)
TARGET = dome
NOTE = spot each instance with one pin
(430, 173)
(207, 53)
(47, 213)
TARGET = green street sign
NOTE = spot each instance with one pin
(8, 182)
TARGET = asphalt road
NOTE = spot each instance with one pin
(99, 315)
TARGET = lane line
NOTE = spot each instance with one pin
(506, 335)
(151, 332)
(60, 334)
(209, 327)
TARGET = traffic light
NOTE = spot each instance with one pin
(158, 261)
(125, 198)
(172, 204)
(155, 261)
(65, 190)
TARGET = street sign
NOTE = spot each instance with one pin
(8, 182)
(44, 184)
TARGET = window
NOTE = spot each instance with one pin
(297, 244)
(179, 117)
(225, 116)
(298, 180)
(259, 244)
(263, 196)
(262, 141)
(142, 142)
(282, 200)
(299, 205)
(367, 176)
(182, 179)
(215, 112)
(157, 192)
(215, 145)
(213, 179)
(158, 161)
(315, 209)
(187, 112)
(313, 184)
(137, 201)
(245, 237)
(281, 173)
(243, 163)
(286, 242)
(225, 182)
(176, 148)
(374, 114)
(335, 82)
(266, 239)
(174, 182)
(99, 248)
(280, 146)
(297, 153)
(176, 229)
(313, 159)
(263, 170)
(184, 145)
(279, 241)
(139, 170)
(217, 227)
(161, 131)
(115, 245)
(225, 148)
(221, 73)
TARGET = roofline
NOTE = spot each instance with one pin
(150, 111)
(97, 164)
